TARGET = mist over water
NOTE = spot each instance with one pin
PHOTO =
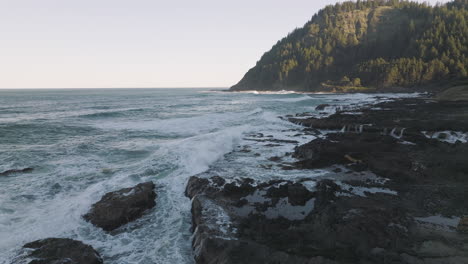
(85, 143)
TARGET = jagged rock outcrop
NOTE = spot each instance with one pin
(244, 221)
(390, 197)
(120, 207)
(61, 251)
(413, 115)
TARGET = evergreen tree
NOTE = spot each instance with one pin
(374, 43)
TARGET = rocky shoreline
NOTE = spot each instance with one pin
(396, 193)
(114, 210)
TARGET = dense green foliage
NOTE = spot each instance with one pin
(378, 44)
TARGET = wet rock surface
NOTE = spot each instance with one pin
(61, 251)
(334, 222)
(245, 222)
(397, 194)
(430, 175)
(400, 160)
(120, 207)
(321, 107)
(15, 171)
(414, 115)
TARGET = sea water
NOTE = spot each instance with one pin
(83, 143)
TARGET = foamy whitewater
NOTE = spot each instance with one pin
(85, 143)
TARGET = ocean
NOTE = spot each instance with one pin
(83, 143)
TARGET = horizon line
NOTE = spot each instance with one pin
(44, 88)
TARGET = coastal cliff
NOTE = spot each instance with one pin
(368, 46)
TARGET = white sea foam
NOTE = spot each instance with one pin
(448, 136)
(362, 190)
(445, 223)
(294, 99)
(183, 126)
(74, 168)
(281, 92)
(62, 216)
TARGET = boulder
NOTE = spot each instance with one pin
(61, 251)
(120, 207)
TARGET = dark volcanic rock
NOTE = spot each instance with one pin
(9, 172)
(232, 221)
(285, 222)
(388, 140)
(62, 251)
(321, 107)
(120, 207)
(387, 156)
(397, 201)
(431, 177)
(275, 159)
(414, 115)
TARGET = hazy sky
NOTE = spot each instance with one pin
(140, 43)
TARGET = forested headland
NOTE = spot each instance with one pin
(376, 45)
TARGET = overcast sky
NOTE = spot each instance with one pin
(140, 43)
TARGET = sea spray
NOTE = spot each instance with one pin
(82, 146)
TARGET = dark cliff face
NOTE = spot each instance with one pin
(366, 46)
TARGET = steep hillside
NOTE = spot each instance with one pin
(368, 46)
